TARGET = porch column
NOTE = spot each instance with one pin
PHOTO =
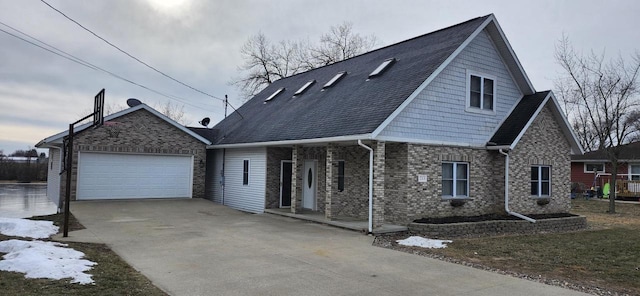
(297, 162)
(378, 184)
(328, 181)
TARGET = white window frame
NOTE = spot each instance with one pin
(604, 168)
(455, 180)
(480, 110)
(629, 172)
(540, 181)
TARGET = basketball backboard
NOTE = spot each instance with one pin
(98, 109)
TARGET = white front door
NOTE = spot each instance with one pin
(309, 185)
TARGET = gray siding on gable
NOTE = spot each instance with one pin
(251, 197)
(438, 112)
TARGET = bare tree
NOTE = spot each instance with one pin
(175, 112)
(601, 98)
(340, 44)
(266, 62)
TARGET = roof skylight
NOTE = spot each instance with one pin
(274, 94)
(304, 87)
(382, 67)
(334, 79)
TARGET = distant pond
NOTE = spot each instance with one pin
(25, 200)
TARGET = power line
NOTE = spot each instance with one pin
(135, 58)
(82, 62)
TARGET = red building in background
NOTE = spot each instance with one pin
(593, 169)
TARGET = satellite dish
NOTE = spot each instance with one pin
(132, 102)
(205, 121)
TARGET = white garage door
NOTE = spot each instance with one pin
(122, 176)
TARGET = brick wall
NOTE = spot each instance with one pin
(499, 227)
(354, 200)
(275, 156)
(543, 143)
(140, 132)
(419, 199)
(396, 181)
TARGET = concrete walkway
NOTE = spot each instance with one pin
(195, 247)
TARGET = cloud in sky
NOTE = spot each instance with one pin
(198, 42)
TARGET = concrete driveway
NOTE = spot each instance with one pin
(196, 247)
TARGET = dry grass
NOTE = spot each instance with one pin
(112, 275)
(627, 214)
(604, 257)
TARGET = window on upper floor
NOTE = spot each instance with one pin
(594, 167)
(481, 93)
(455, 179)
(541, 180)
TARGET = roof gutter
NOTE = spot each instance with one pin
(370, 184)
(506, 189)
(293, 142)
(498, 148)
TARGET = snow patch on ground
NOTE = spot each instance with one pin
(38, 259)
(422, 242)
(27, 228)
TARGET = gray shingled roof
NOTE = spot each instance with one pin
(355, 105)
(207, 133)
(517, 120)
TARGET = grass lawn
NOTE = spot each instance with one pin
(112, 275)
(606, 256)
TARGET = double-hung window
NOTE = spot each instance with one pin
(481, 93)
(634, 172)
(455, 179)
(540, 180)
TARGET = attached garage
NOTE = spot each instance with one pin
(137, 153)
(128, 176)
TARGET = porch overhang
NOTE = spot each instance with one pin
(294, 142)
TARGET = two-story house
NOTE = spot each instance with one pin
(444, 124)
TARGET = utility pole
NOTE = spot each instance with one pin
(226, 103)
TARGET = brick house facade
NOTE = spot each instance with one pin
(401, 198)
(425, 137)
(137, 131)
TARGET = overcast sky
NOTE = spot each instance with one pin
(198, 42)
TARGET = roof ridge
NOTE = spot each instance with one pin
(390, 45)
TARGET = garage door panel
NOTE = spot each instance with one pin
(122, 176)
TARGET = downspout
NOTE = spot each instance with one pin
(506, 189)
(370, 184)
(222, 180)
